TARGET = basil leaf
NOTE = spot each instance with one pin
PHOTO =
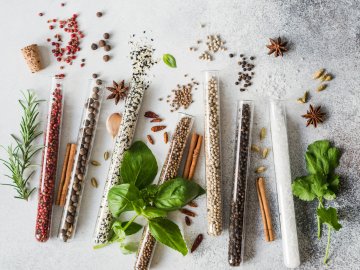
(176, 193)
(118, 231)
(129, 248)
(132, 228)
(169, 60)
(152, 212)
(329, 217)
(301, 188)
(120, 198)
(139, 166)
(168, 233)
(149, 193)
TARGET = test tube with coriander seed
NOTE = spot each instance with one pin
(85, 141)
(238, 201)
(212, 144)
(283, 183)
(169, 171)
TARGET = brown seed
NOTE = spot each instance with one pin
(192, 204)
(150, 114)
(95, 163)
(187, 212)
(106, 155)
(94, 46)
(94, 183)
(99, 82)
(94, 75)
(166, 137)
(107, 48)
(106, 57)
(102, 43)
(157, 128)
(150, 139)
(106, 35)
(187, 220)
(156, 120)
(99, 14)
(197, 242)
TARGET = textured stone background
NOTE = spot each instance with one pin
(321, 34)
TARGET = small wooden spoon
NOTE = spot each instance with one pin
(113, 123)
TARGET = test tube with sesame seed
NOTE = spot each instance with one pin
(169, 171)
(212, 140)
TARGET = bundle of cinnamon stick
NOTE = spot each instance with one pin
(193, 155)
(265, 210)
(66, 174)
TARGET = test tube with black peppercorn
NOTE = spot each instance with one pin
(49, 161)
(242, 160)
(169, 171)
(85, 141)
(212, 152)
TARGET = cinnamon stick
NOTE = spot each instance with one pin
(189, 158)
(195, 157)
(69, 168)
(265, 210)
(63, 174)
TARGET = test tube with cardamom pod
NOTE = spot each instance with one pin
(123, 142)
(49, 161)
(212, 140)
(283, 182)
(238, 200)
(169, 171)
(85, 141)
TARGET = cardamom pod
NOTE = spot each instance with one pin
(95, 163)
(255, 148)
(318, 74)
(265, 152)
(321, 87)
(304, 98)
(106, 155)
(262, 133)
(328, 77)
(94, 183)
(260, 169)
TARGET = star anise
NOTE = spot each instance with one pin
(118, 91)
(277, 47)
(314, 116)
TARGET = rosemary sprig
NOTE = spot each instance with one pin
(20, 155)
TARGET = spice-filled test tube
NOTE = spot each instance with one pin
(85, 141)
(283, 182)
(169, 171)
(49, 161)
(242, 160)
(213, 152)
(123, 141)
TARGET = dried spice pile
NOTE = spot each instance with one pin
(246, 75)
(182, 96)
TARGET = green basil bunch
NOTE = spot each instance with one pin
(153, 202)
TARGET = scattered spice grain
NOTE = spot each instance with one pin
(150, 139)
(197, 242)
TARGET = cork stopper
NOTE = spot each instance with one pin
(32, 57)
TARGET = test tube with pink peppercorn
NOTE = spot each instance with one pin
(49, 161)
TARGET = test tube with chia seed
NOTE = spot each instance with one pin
(212, 152)
(123, 142)
(169, 171)
(85, 141)
(49, 161)
(242, 161)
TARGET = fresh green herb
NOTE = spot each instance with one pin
(322, 183)
(169, 60)
(152, 202)
(20, 155)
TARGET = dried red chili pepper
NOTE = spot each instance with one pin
(187, 212)
(187, 220)
(157, 128)
(197, 242)
(192, 204)
(150, 114)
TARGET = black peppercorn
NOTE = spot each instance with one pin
(99, 14)
(106, 35)
(94, 46)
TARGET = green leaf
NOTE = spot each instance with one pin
(176, 193)
(118, 231)
(301, 188)
(129, 248)
(132, 228)
(152, 212)
(138, 166)
(334, 181)
(168, 233)
(169, 60)
(318, 184)
(120, 198)
(330, 195)
(329, 216)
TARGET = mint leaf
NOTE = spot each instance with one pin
(301, 188)
(152, 212)
(329, 216)
(120, 198)
(169, 60)
(139, 166)
(168, 233)
(176, 193)
(129, 248)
